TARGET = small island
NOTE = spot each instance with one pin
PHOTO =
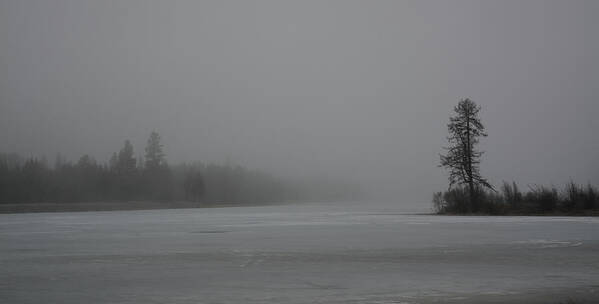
(470, 193)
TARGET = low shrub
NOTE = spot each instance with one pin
(539, 199)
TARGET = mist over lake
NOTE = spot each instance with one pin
(343, 89)
(299, 151)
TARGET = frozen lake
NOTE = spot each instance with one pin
(310, 253)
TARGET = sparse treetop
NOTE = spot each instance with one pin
(154, 154)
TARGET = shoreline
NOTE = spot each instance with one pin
(573, 214)
(116, 206)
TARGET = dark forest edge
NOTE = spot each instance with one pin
(573, 199)
(124, 182)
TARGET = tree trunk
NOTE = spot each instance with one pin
(472, 206)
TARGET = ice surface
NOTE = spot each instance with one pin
(309, 253)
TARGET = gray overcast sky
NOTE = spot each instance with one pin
(357, 89)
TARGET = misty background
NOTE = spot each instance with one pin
(353, 90)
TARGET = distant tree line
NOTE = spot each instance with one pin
(469, 192)
(125, 178)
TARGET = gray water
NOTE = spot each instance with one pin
(310, 253)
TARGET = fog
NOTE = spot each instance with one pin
(358, 90)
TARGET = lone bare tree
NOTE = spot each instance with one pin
(462, 158)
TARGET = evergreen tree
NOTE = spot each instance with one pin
(126, 179)
(462, 158)
(154, 154)
(126, 162)
(157, 175)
